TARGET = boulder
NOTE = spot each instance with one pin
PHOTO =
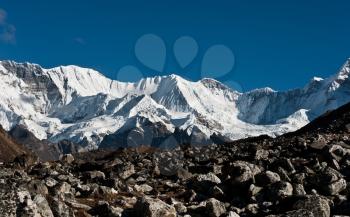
(280, 190)
(315, 204)
(67, 158)
(43, 206)
(103, 208)
(203, 182)
(319, 142)
(211, 208)
(266, 178)
(126, 170)
(149, 207)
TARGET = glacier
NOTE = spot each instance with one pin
(83, 106)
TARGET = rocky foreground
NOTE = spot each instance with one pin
(305, 173)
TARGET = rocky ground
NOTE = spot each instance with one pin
(306, 173)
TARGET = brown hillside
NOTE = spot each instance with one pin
(9, 149)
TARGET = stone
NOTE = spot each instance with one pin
(211, 208)
(337, 152)
(26, 160)
(63, 188)
(214, 207)
(319, 143)
(84, 189)
(50, 182)
(298, 189)
(38, 187)
(280, 190)
(26, 207)
(104, 191)
(254, 190)
(347, 127)
(298, 213)
(232, 214)
(216, 192)
(103, 208)
(144, 188)
(252, 208)
(210, 177)
(203, 182)
(183, 174)
(242, 172)
(149, 207)
(287, 165)
(126, 171)
(59, 208)
(95, 175)
(261, 154)
(266, 178)
(67, 158)
(74, 204)
(315, 204)
(335, 187)
(43, 206)
(180, 208)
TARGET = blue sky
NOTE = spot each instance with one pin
(281, 44)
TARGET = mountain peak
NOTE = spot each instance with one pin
(346, 68)
(37, 97)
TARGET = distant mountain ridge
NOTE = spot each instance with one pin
(83, 106)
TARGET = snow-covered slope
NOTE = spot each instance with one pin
(83, 106)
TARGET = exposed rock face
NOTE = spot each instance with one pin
(285, 176)
(44, 149)
(9, 148)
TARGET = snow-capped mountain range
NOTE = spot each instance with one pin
(84, 106)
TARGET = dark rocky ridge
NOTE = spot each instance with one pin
(44, 149)
(9, 148)
(305, 173)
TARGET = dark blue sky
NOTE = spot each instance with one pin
(281, 44)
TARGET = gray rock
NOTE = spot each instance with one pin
(183, 174)
(211, 177)
(50, 182)
(266, 178)
(59, 208)
(280, 190)
(216, 192)
(93, 175)
(103, 208)
(38, 187)
(298, 189)
(63, 188)
(335, 187)
(149, 207)
(67, 158)
(43, 206)
(144, 188)
(242, 172)
(252, 208)
(298, 213)
(315, 204)
(211, 208)
(337, 152)
(26, 207)
(203, 182)
(180, 208)
(254, 190)
(232, 214)
(214, 207)
(126, 171)
(319, 143)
